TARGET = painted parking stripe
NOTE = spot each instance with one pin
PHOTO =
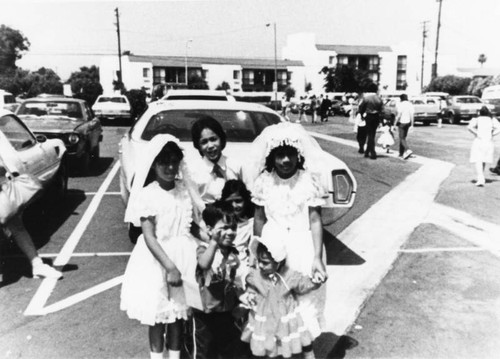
(35, 307)
(377, 240)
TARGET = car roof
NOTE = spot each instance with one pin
(53, 98)
(162, 105)
(112, 96)
(4, 112)
(195, 92)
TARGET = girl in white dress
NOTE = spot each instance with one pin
(484, 128)
(288, 194)
(163, 262)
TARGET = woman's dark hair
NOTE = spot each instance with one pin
(403, 97)
(169, 149)
(210, 123)
(214, 212)
(269, 165)
(238, 186)
(484, 111)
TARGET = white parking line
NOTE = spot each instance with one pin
(41, 296)
(451, 249)
(90, 254)
(378, 240)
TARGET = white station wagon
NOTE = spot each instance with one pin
(242, 123)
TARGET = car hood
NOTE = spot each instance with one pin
(50, 123)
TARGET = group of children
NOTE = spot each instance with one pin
(253, 284)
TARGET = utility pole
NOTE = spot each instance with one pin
(424, 35)
(275, 84)
(435, 65)
(119, 49)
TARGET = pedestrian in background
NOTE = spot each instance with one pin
(484, 128)
(386, 139)
(371, 108)
(404, 120)
(325, 108)
(302, 109)
(360, 129)
(314, 109)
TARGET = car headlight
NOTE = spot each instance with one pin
(343, 186)
(73, 138)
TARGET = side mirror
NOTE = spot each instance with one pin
(41, 138)
(343, 187)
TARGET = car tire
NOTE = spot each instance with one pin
(61, 182)
(449, 118)
(96, 154)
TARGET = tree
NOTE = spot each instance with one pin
(482, 59)
(85, 84)
(197, 82)
(454, 85)
(223, 86)
(30, 84)
(12, 46)
(289, 92)
(346, 79)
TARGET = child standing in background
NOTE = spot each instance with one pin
(386, 139)
(163, 261)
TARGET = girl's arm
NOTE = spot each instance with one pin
(206, 259)
(148, 229)
(472, 127)
(259, 219)
(318, 267)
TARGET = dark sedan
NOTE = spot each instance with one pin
(68, 119)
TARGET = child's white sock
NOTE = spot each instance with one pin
(154, 355)
(174, 354)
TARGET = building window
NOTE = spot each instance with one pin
(373, 63)
(158, 75)
(282, 77)
(342, 60)
(331, 60)
(402, 63)
(248, 77)
(401, 83)
(145, 72)
(236, 75)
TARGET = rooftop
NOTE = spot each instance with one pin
(194, 61)
(354, 49)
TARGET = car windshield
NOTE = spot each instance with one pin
(112, 99)
(240, 126)
(468, 100)
(52, 108)
(196, 97)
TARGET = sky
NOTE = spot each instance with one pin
(66, 35)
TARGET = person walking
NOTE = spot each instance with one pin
(371, 108)
(496, 169)
(324, 108)
(404, 119)
(314, 109)
(484, 128)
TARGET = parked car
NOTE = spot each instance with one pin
(491, 95)
(41, 157)
(114, 107)
(241, 121)
(68, 119)
(427, 109)
(212, 95)
(6, 99)
(462, 108)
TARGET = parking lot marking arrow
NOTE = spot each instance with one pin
(37, 303)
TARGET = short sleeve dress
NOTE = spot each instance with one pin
(275, 327)
(145, 295)
(482, 148)
(286, 203)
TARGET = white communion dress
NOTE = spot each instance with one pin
(286, 203)
(145, 294)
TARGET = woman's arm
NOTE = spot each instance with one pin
(259, 219)
(318, 267)
(148, 229)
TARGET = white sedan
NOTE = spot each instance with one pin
(112, 107)
(241, 121)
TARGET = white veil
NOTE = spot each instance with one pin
(154, 146)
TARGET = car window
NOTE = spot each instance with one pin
(240, 126)
(52, 108)
(474, 100)
(417, 102)
(16, 133)
(118, 99)
(196, 97)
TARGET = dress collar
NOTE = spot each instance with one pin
(221, 162)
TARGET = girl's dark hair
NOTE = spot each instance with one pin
(210, 123)
(170, 149)
(484, 111)
(217, 211)
(269, 165)
(238, 186)
(262, 251)
(403, 97)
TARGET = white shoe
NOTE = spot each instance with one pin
(480, 183)
(45, 271)
(407, 154)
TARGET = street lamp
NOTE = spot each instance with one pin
(275, 84)
(186, 61)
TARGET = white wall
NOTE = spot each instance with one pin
(222, 73)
